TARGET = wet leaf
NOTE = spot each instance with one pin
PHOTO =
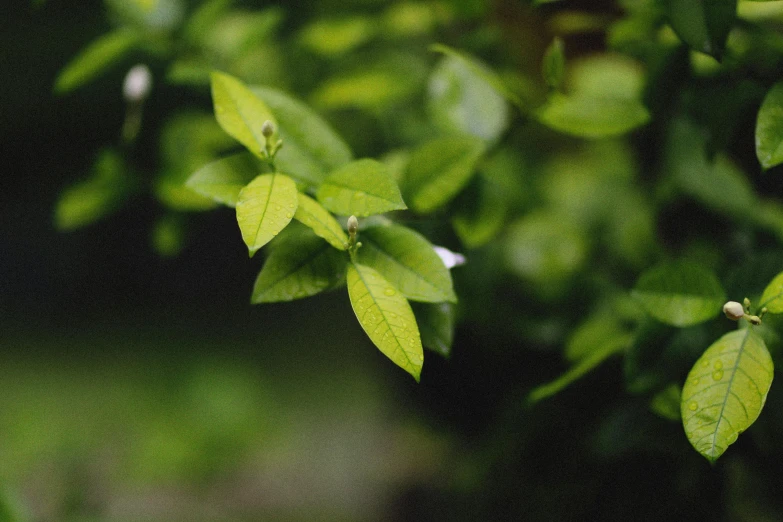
(265, 207)
(311, 213)
(223, 179)
(360, 188)
(772, 298)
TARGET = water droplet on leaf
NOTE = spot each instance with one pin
(389, 291)
(718, 365)
(717, 375)
(693, 405)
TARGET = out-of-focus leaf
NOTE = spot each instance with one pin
(203, 18)
(311, 148)
(265, 207)
(461, 101)
(300, 265)
(155, 16)
(772, 298)
(311, 213)
(680, 293)
(408, 261)
(553, 66)
(702, 24)
(725, 391)
(436, 324)
(360, 188)
(100, 55)
(223, 179)
(238, 32)
(439, 169)
(168, 236)
(176, 196)
(334, 37)
(407, 19)
(481, 218)
(666, 403)
(596, 333)
(386, 317)
(370, 90)
(769, 128)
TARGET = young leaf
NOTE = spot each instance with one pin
(223, 179)
(772, 298)
(553, 66)
(769, 128)
(439, 169)
(311, 213)
(703, 24)
(436, 324)
(311, 147)
(299, 266)
(264, 208)
(239, 111)
(360, 188)
(408, 261)
(95, 59)
(386, 317)
(680, 293)
(725, 391)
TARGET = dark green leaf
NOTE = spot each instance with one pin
(769, 128)
(436, 324)
(553, 67)
(772, 298)
(360, 188)
(703, 24)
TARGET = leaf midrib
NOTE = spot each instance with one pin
(740, 352)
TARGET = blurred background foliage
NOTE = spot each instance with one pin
(139, 384)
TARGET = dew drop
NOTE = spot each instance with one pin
(693, 405)
(277, 207)
(389, 291)
(290, 205)
(358, 195)
(732, 438)
(695, 381)
(717, 375)
(705, 363)
(718, 365)
(288, 215)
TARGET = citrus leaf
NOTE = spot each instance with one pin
(311, 213)
(299, 266)
(239, 111)
(223, 179)
(439, 169)
(311, 148)
(666, 403)
(360, 188)
(386, 317)
(703, 24)
(553, 65)
(680, 293)
(95, 59)
(408, 261)
(772, 298)
(725, 391)
(264, 208)
(436, 324)
(769, 128)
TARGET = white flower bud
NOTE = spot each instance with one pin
(734, 310)
(449, 258)
(268, 129)
(138, 83)
(353, 226)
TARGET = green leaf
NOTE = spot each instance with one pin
(680, 293)
(386, 317)
(239, 111)
(337, 36)
(95, 59)
(223, 179)
(265, 207)
(408, 261)
(666, 403)
(703, 24)
(168, 235)
(439, 169)
(769, 128)
(300, 265)
(553, 66)
(772, 297)
(360, 188)
(436, 323)
(725, 391)
(311, 148)
(311, 213)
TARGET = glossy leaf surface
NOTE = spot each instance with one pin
(265, 207)
(95, 59)
(725, 391)
(386, 317)
(772, 298)
(360, 188)
(311, 213)
(223, 179)
(407, 260)
(769, 128)
(239, 111)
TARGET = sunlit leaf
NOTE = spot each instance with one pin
(386, 317)
(311, 213)
(725, 391)
(772, 298)
(265, 207)
(680, 293)
(436, 324)
(101, 54)
(408, 261)
(223, 179)
(239, 111)
(769, 128)
(360, 188)
(702, 24)
(439, 169)
(300, 265)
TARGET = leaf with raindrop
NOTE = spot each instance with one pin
(772, 298)
(312, 214)
(725, 391)
(361, 188)
(265, 207)
(386, 317)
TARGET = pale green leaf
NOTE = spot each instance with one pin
(95, 59)
(680, 293)
(439, 169)
(311, 148)
(337, 36)
(311, 213)
(772, 298)
(360, 188)
(265, 207)
(176, 196)
(300, 265)
(725, 391)
(702, 24)
(386, 317)
(408, 261)
(436, 324)
(239, 111)
(223, 179)
(769, 128)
